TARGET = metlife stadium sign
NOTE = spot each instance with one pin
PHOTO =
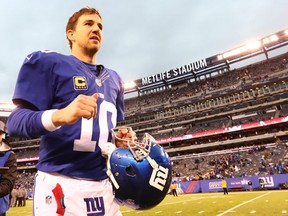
(192, 67)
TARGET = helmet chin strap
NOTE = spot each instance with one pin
(107, 151)
(110, 174)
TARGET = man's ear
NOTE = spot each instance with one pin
(70, 35)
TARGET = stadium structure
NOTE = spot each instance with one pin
(225, 115)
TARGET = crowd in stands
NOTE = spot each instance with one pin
(267, 159)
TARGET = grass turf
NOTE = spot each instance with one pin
(236, 203)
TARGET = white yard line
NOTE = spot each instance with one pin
(229, 210)
(183, 201)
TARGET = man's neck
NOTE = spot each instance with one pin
(85, 57)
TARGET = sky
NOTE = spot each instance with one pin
(141, 38)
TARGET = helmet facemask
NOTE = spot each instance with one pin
(139, 149)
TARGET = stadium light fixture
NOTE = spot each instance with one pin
(274, 38)
(271, 38)
(253, 45)
(248, 47)
(7, 107)
(220, 57)
(266, 41)
(129, 85)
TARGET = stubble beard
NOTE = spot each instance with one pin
(91, 51)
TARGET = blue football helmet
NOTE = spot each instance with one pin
(141, 174)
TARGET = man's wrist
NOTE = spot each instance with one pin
(47, 121)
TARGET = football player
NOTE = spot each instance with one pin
(72, 103)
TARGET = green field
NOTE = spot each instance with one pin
(270, 203)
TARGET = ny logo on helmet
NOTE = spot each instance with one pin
(158, 177)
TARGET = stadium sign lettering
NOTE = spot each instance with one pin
(192, 67)
(268, 181)
(215, 185)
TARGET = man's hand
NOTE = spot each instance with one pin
(82, 106)
(123, 136)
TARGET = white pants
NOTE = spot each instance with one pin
(81, 197)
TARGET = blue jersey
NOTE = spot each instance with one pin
(50, 80)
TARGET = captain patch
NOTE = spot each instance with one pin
(80, 83)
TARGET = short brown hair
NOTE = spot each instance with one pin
(72, 22)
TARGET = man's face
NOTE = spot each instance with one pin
(87, 35)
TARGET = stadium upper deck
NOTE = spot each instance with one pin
(207, 67)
